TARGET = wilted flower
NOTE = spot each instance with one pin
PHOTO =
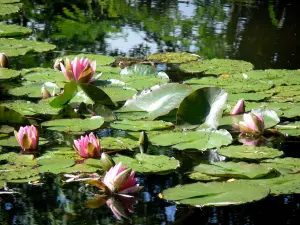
(238, 108)
(80, 70)
(252, 124)
(106, 161)
(27, 138)
(121, 180)
(4, 63)
(88, 146)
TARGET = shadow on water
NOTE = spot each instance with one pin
(265, 33)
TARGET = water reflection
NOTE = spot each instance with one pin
(262, 32)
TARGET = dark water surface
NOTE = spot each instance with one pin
(263, 32)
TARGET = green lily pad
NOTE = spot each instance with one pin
(16, 160)
(173, 57)
(6, 7)
(43, 75)
(216, 193)
(203, 177)
(75, 124)
(142, 125)
(157, 101)
(70, 91)
(249, 152)
(258, 96)
(61, 152)
(11, 117)
(7, 30)
(20, 175)
(14, 47)
(200, 140)
(203, 106)
(287, 184)
(217, 66)
(144, 163)
(80, 168)
(12, 141)
(8, 74)
(119, 94)
(231, 85)
(284, 165)
(292, 129)
(54, 165)
(118, 143)
(235, 170)
(27, 108)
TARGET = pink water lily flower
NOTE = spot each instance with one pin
(121, 180)
(238, 108)
(88, 146)
(80, 70)
(27, 138)
(253, 124)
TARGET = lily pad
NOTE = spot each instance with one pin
(158, 100)
(141, 125)
(11, 117)
(203, 177)
(7, 30)
(235, 170)
(144, 163)
(216, 193)
(8, 74)
(204, 105)
(12, 141)
(14, 47)
(201, 140)
(118, 143)
(28, 108)
(284, 165)
(288, 184)
(249, 152)
(217, 66)
(292, 129)
(74, 125)
(173, 57)
(54, 165)
(43, 75)
(6, 7)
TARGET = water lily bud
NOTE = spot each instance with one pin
(238, 108)
(4, 63)
(143, 141)
(121, 179)
(27, 138)
(57, 63)
(252, 124)
(45, 93)
(106, 161)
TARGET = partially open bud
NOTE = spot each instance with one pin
(4, 63)
(252, 125)
(45, 93)
(106, 161)
(57, 63)
(49, 89)
(238, 108)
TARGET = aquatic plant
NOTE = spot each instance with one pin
(88, 146)
(252, 124)
(238, 108)
(27, 138)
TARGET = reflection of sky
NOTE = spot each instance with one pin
(170, 213)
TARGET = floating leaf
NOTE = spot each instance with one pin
(235, 170)
(43, 75)
(292, 129)
(203, 177)
(8, 30)
(54, 165)
(12, 141)
(11, 117)
(8, 74)
(141, 125)
(7, 8)
(173, 57)
(249, 152)
(217, 66)
(144, 163)
(74, 125)
(204, 105)
(201, 139)
(158, 100)
(216, 193)
(138, 70)
(284, 165)
(21, 47)
(118, 143)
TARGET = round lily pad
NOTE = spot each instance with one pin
(75, 124)
(43, 75)
(12, 141)
(173, 57)
(6, 7)
(141, 125)
(8, 74)
(216, 193)
(7, 30)
(249, 152)
(118, 143)
(14, 47)
(217, 66)
(144, 163)
(292, 129)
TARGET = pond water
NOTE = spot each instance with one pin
(263, 32)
